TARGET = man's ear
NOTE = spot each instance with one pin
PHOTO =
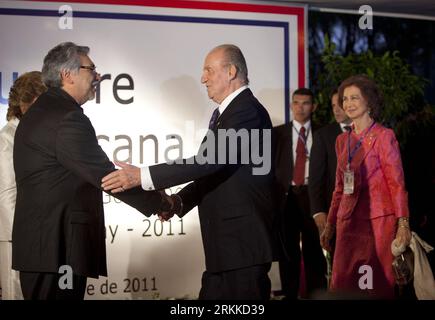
(65, 76)
(314, 106)
(232, 72)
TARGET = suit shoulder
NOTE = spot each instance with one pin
(282, 129)
(329, 128)
(386, 135)
(46, 115)
(385, 131)
(247, 99)
(49, 106)
(247, 107)
(329, 131)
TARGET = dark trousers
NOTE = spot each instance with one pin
(300, 227)
(45, 286)
(251, 283)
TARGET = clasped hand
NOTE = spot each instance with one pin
(175, 204)
(120, 180)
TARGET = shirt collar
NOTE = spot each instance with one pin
(298, 126)
(230, 98)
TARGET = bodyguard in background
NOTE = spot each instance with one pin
(293, 146)
(22, 94)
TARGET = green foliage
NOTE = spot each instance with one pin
(402, 90)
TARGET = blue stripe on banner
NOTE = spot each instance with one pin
(147, 17)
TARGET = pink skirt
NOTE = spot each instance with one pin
(362, 265)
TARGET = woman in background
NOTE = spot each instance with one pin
(25, 90)
(369, 208)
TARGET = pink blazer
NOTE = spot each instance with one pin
(378, 173)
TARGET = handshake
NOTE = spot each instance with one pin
(129, 177)
(170, 205)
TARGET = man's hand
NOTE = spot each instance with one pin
(120, 180)
(320, 220)
(166, 209)
(165, 216)
(176, 206)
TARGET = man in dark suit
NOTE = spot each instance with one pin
(293, 145)
(234, 201)
(324, 163)
(59, 217)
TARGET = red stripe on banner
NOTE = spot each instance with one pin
(187, 4)
(224, 6)
(301, 51)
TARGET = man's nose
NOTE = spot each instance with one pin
(298, 107)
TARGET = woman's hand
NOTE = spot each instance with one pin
(326, 237)
(403, 234)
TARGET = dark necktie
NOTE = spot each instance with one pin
(213, 120)
(347, 128)
(301, 157)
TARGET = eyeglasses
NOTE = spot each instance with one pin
(91, 68)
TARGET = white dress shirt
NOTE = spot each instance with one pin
(309, 142)
(145, 176)
(8, 189)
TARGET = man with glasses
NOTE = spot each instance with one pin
(59, 217)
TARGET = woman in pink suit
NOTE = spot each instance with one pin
(369, 208)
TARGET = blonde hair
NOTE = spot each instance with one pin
(25, 89)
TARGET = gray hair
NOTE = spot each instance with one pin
(63, 57)
(236, 58)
